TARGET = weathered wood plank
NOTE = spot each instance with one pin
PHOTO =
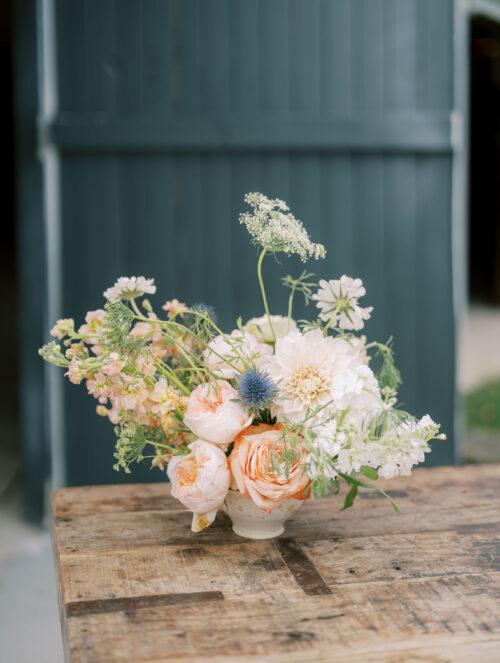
(480, 482)
(137, 585)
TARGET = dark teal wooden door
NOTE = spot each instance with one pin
(170, 110)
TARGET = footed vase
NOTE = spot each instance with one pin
(251, 522)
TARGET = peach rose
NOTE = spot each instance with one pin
(213, 414)
(200, 481)
(251, 467)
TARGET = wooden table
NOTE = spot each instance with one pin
(362, 585)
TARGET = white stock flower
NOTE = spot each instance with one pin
(225, 356)
(129, 288)
(338, 302)
(261, 329)
(274, 228)
(401, 446)
(315, 371)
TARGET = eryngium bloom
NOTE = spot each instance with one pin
(256, 389)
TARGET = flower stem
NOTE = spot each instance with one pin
(290, 307)
(263, 290)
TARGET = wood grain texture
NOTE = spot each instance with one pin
(366, 585)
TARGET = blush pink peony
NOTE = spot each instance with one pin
(213, 414)
(200, 481)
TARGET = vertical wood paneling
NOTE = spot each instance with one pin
(71, 30)
(303, 40)
(174, 215)
(185, 55)
(434, 29)
(400, 54)
(369, 249)
(100, 64)
(155, 57)
(337, 220)
(367, 43)
(401, 268)
(129, 46)
(274, 56)
(214, 70)
(435, 346)
(335, 55)
(244, 55)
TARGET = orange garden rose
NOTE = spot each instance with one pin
(252, 467)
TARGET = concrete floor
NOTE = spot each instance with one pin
(29, 616)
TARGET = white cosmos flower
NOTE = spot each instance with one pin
(261, 329)
(130, 287)
(338, 302)
(315, 371)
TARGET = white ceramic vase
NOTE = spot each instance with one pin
(251, 522)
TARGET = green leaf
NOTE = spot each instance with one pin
(369, 472)
(353, 481)
(350, 497)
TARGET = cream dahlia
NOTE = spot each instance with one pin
(313, 372)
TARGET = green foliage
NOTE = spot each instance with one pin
(116, 328)
(482, 407)
(388, 374)
(350, 497)
(323, 487)
(131, 441)
(51, 352)
(369, 472)
(301, 284)
(352, 481)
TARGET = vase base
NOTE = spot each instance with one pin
(247, 533)
(251, 522)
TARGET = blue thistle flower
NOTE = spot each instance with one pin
(256, 389)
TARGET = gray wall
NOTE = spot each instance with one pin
(170, 110)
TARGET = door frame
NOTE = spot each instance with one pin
(464, 11)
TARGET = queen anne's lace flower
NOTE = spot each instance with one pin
(338, 302)
(274, 228)
(129, 288)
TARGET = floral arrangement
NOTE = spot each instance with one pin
(276, 409)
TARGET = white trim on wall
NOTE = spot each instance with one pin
(50, 161)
